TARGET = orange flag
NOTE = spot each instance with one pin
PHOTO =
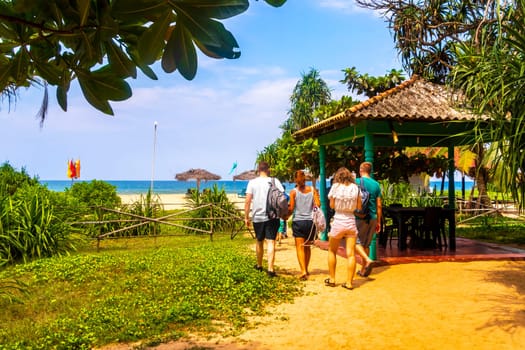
(77, 169)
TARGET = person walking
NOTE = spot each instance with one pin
(282, 232)
(255, 210)
(367, 227)
(344, 198)
(303, 199)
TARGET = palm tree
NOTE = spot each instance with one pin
(310, 93)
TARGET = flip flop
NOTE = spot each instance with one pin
(303, 278)
(368, 269)
(346, 286)
(328, 283)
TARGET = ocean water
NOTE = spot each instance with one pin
(457, 185)
(181, 187)
(159, 187)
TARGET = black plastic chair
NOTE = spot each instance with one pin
(431, 228)
(392, 228)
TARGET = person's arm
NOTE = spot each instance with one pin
(247, 204)
(291, 203)
(317, 199)
(379, 212)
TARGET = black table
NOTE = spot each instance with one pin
(403, 214)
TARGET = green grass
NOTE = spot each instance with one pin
(494, 229)
(142, 289)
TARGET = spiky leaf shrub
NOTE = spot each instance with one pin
(211, 207)
(29, 228)
(148, 206)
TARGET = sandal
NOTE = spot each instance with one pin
(303, 278)
(346, 286)
(368, 269)
(328, 283)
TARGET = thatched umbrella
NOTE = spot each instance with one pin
(246, 175)
(197, 174)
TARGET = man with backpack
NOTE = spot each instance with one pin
(265, 220)
(369, 223)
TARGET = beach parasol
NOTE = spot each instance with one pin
(197, 174)
(246, 175)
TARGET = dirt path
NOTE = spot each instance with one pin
(449, 305)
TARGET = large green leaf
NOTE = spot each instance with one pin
(119, 61)
(5, 70)
(169, 63)
(63, 88)
(152, 41)
(276, 3)
(48, 71)
(219, 9)
(127, 9)
(83, 11)
(20, 66)
(212, 35)
(99, 87)
(62, 97)
(142, 66)
(184, 53)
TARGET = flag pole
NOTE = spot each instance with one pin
(154, 152)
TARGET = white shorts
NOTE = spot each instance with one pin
(343, 225)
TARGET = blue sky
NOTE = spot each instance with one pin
(228, 113)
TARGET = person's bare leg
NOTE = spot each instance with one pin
(307, 255)
(350, 253)
(365, 259)
(259, 251)
(270, 246)
(299, 249)
(332, 256)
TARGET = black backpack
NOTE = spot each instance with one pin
(276, 203)
(364, 213)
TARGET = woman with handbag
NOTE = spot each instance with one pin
(345, 199)
(303, 200)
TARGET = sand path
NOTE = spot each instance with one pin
(449, 305)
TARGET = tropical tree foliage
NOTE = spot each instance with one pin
(492, 76)
(310, 93)
(364, 84)
(425, 31)
(432, 38)
(102, 43)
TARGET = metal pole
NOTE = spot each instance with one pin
(154, 152)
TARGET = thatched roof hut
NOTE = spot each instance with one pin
(198, 175)
(246, 175)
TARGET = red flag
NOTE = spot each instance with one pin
(71, 171)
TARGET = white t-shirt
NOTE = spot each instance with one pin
(258, 188)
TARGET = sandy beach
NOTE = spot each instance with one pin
(177, 201)
(448, 305)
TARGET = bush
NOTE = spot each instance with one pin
(213, 203)
(148, 206)
(29, 228)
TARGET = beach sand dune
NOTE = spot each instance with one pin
(448, 305)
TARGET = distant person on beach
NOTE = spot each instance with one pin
(265, 228)
(303, 199)
(344, 198)
(366, 228)
(283, 227)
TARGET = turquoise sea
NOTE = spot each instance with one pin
(159, 187)
(181, 187)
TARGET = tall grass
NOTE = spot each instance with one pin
(136, 289)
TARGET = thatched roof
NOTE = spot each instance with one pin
(246, 175)
(196, 174)
(413, 100)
